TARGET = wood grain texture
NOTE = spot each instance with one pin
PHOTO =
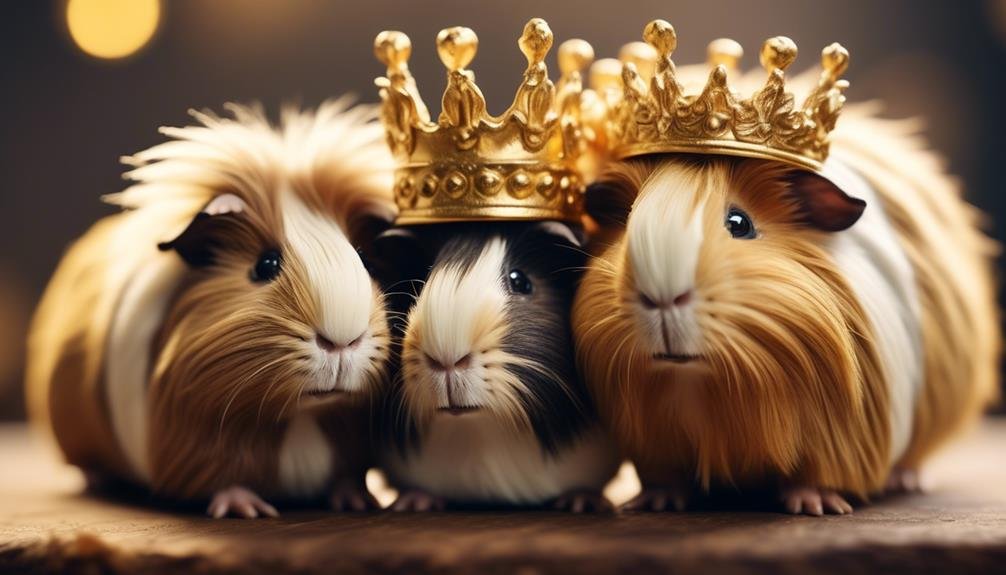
(959, 525)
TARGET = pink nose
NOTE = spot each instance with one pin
(331, 347)
(438, 365)
(679, 300)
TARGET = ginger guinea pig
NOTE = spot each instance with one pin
(487, 408)
(220, 339)
(756, 326)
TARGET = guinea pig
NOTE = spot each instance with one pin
(750, 325)
(221, 338)
(488, 408)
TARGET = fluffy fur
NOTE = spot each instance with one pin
(471, 341)
(826, 358)
(106, 351)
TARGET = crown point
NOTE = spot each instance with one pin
(536, 40)
(605, 74)
(661, 35)
(457, 47)
(392, 48)
(726, 52)
(777, 53)
(835, 60)
(574, 55)
(641, 55)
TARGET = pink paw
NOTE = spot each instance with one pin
(241, 502)
(353, 498)
(903, 480)
(584, 501)
(416, 500)
(659, 499)
(814, 501)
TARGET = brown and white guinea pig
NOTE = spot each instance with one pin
(488, 408)
(219, 339)
(752, 325)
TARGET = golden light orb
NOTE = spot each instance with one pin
(112, 29)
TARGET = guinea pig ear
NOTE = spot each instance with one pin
(201, 238)
(823, 205)
(398, 254)
(609, 202)
(562, 232)
(365, 229)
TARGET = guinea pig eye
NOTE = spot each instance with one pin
(519, 283)
(267, 267)
(739, 224)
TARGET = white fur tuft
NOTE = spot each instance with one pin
(870, 256)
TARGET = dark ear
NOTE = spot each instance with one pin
(609, 203)
(198, 244)
(823, 205)
(398, 254)
(562, 233)
(364, 229)
(552, 244)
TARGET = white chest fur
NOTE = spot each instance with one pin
(472, 459)
(306, 459)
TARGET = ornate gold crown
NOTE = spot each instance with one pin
(650, 113)
(469, 165)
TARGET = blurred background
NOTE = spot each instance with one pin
(86, 81)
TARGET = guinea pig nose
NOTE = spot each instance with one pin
(330, 346)
(438, 365)
(679, 300)
(324, 343)
(682, 298)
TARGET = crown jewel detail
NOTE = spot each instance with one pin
(470, 165)
(651, 113)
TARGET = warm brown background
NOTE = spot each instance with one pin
(67, 118)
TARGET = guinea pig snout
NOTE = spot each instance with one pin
(668, 325)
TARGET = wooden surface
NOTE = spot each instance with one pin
(959, 525)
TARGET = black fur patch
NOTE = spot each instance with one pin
(559, 407)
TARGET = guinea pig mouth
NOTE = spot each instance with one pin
(675, 357)
(459, 409)
(324, 393)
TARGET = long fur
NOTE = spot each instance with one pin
(794, 327)
(248, 349)
(536, 434)
(785, 343)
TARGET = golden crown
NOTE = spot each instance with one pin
(468, 165)
(648, 110)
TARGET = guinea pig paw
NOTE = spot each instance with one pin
(583, 501)
(813, 501)
(353, 498)
(658, 499)
(239, 502)
(416, 500)
(902, 481)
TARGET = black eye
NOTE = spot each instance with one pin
(519, 283)
(739, 224)
(267, 267)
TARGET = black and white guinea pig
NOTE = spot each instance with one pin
(487, 408)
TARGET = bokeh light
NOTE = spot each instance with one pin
(112, 29)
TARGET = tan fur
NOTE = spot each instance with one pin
(792, 386)
(952, 259)
(335, 161)
(783, 393)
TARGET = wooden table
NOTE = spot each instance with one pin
(959, 525)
